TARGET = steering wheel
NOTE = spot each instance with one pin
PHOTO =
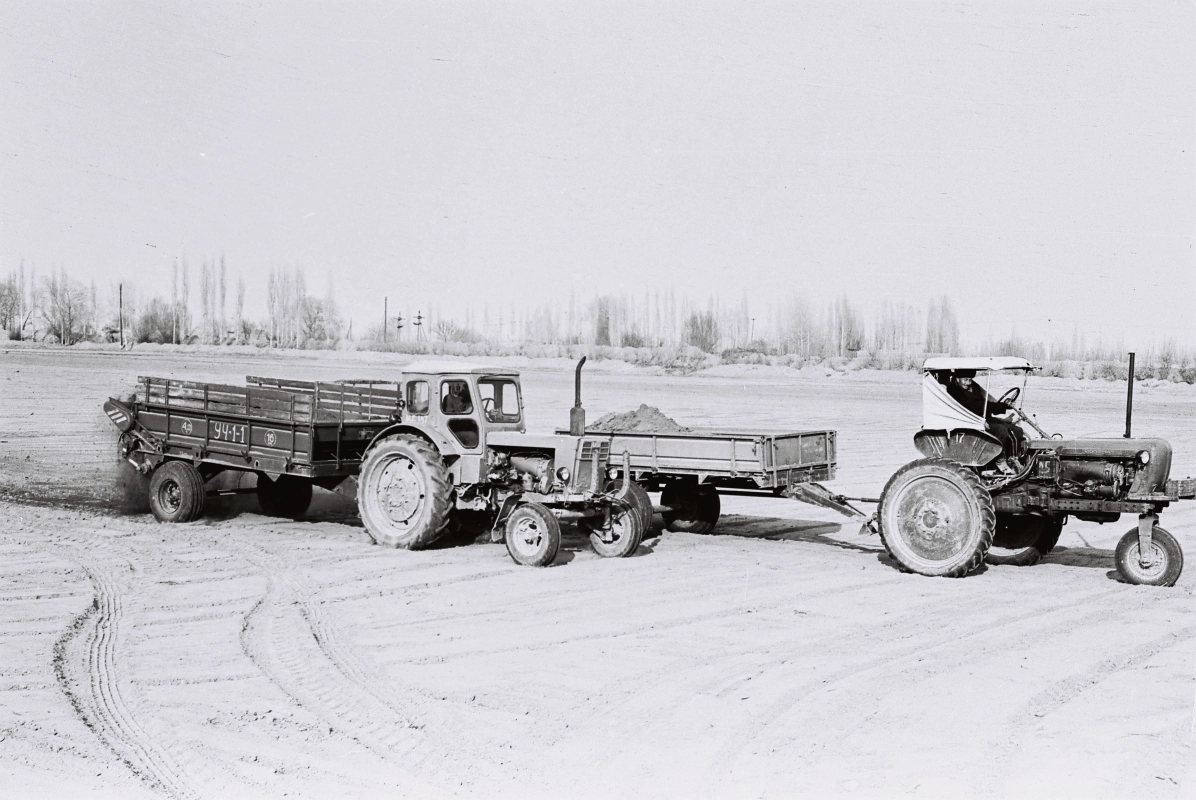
(488, 407)
(1010, 397)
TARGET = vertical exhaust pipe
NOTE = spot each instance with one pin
(1129, 399)
(577, 414)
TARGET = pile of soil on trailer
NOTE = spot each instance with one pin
(645, 419)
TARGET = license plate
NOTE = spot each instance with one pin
(228, 432)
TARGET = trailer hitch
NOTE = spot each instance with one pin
(818, 495)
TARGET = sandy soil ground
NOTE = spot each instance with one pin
(784, 656)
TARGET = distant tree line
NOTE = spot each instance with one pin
(58, 308)
(61, 309)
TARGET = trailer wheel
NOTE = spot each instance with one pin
(1168, 559)
(626, 531)
(936, 518)
(289, 496)
(691, 508)
(533, 535)
(1021, 540)
(404, 493)
(176, 492)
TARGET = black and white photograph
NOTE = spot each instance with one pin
(572, 399)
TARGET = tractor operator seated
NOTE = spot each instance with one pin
(1000, 418)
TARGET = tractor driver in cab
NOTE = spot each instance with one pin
(1000, 417)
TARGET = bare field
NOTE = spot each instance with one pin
(784, 656)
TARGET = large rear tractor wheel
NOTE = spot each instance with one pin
(691, 508)
(936, 518)
(287, 496)
(1167, 559)
(404, 493)
(1021, 540)
(176, 492)
(625, 534)
(533, 535)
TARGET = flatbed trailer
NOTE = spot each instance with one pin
(312, 430)
(692, 469)
(748, 460)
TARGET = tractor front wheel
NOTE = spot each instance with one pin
(626, 531)
(1166, 562)
(533, 535)
(404, 493)
(176, 492)
(936, 518)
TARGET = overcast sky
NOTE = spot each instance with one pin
(1034, 161)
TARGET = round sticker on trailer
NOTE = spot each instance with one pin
(187, 427)
(271, 438)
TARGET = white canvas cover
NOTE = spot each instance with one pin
(942, 412)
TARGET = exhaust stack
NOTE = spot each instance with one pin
(577, 414)
(1129, 399)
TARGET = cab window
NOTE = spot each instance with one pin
(499, 399)
(418, 396)
(454, 397)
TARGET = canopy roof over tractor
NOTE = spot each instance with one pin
(455, 367)
(978, 363)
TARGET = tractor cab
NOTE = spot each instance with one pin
(464, 400)
(973, 424)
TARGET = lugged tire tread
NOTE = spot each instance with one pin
(440, 490)
(988, 513)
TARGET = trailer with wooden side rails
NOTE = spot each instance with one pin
(445, 446)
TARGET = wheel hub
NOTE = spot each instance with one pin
(1157, 565)
(171, 496)
(402, 491)
(933, 518)
(527, 534)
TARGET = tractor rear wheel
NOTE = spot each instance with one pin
(533, 535)
(1167, 559)
(404, 493)
(936, 518)
(1021, 540)
(691, 508)
(176, 492)
(287, 496)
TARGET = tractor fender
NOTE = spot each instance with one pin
(445, 446)
(969, 447)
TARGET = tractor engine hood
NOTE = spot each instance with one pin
(1151, 478)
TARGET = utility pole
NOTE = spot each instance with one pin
(385, 300)
(120, 294)
(419, 326)
(399, 325)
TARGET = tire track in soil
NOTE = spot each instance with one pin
(86, 665)
(931, 658)
(298, 648)
(1029, 720)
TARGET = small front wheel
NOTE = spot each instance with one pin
(1166, 561)
(625, 533)
(176, 492)
(533, 535)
